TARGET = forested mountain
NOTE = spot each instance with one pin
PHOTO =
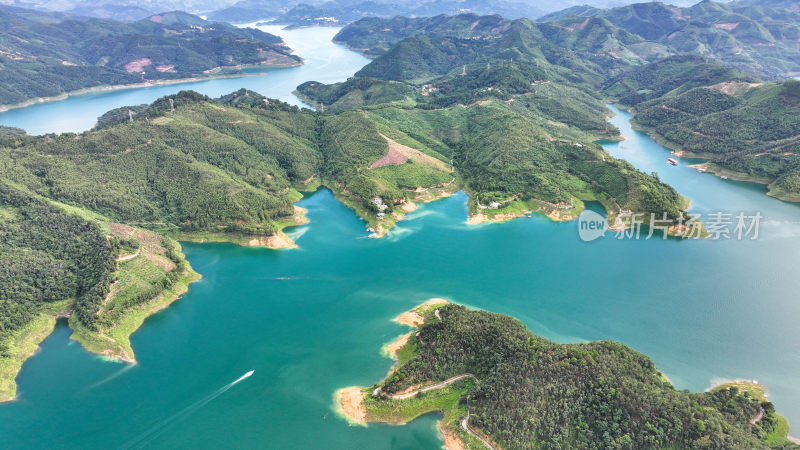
(421, 49)
(47, 54)
(762, 41)
(760, 38)
(232, 164)
(596, 41)
(699, 105)
(519, 390)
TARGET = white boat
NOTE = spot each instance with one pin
(245, 376)
(672, 161)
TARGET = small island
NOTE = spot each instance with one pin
(498, 385)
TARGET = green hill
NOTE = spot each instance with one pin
(419, 49)
(674, 75)
(354, 93)
(510, 388)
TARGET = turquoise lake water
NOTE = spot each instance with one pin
(324, 61)
(311, 321)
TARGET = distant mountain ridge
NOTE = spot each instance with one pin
(760, 37)
(341, 12)
(47, 54)
(593, 49)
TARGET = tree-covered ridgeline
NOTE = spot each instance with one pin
(191, 163)
(565, 69)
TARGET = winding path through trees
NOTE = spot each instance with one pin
(465, 426)
(447, 382)
(431, 387)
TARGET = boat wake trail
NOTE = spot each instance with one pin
(145, 438)
(113, 376)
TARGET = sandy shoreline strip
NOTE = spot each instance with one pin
(274, 241)
(480, 218)
(413, 318)
(349, 403)
(451, 440)
(393, 347)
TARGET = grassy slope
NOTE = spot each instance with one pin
(134, 277)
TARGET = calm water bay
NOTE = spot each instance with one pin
(313, 320)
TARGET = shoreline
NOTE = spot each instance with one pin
(758, 391)
(412, 317)
(480, 218)
(382, 227)
(26, 344)
(526, 209)
(145, 84)
(114, 342)
(352, 403)
(277, 241)
(349, 402)
(390, 349)
(133, 320)
(712, 167)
